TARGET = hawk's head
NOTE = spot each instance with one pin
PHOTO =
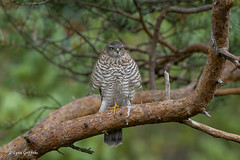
(115, 49)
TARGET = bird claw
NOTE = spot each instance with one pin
(114, 107)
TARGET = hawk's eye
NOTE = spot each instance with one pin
(111, 48)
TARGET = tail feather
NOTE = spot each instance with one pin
(113, 138)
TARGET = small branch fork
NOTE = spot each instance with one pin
(89, 151)
(235, 60)
(212, 131)
(199, 126)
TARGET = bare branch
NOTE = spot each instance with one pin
(190, 10)
(66, 51)
(167, 44)
(137, 49)
(89, 151)
(212, 131)
(108, 9)
(230, 57)
(227, 91)
(32, 94)
(167, 85)
(153, 49)
(30, 3)
(197, 47)
(145, 28)
(206, 113)
(180, 55)
(142, 20)
(80, 34)
(31, 114)
(230, 73)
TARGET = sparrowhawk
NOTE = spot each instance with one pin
(116, 75)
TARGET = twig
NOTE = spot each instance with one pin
(66, 51)
(212, 131)
(85, 150)
(167, 85)
(80, 34)
(119, 11)
(230, 57)
(137, 49)
(190, 10)
(141, 20)
(29, 115)
(32, 94)
(160, 18)
(206, 113)
(30, 3)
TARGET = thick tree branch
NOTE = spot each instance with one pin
(70, 131)
(89, 105)
(219, 36)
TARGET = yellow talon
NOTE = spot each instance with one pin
(114, 107)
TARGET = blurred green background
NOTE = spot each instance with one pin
(29, 83)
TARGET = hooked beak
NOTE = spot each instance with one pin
(117, 50)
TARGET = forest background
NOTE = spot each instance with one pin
(52, 69)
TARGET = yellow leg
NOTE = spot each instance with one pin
(114, 107)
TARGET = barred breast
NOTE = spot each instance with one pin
(117, 78)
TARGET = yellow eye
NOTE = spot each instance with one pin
(111, 48)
